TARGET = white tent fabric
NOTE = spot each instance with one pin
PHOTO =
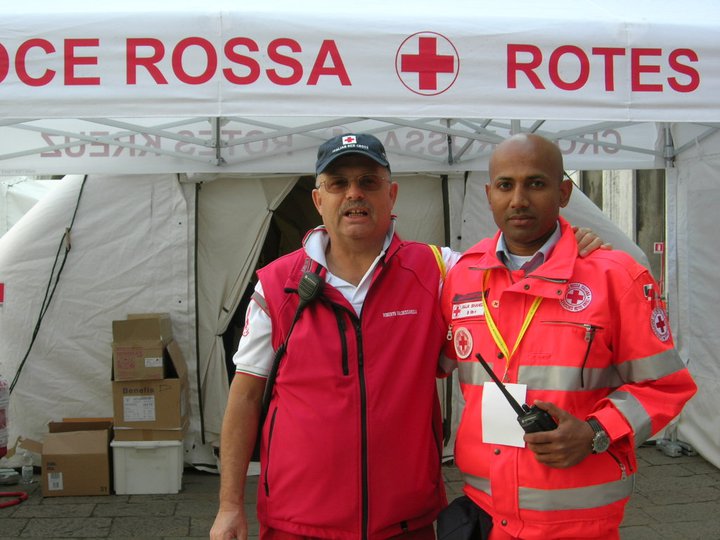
(17, 196)
(695, 306)
(124, 255)
(252, 88)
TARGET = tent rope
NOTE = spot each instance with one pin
(51, 286)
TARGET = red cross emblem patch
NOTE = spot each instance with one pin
(463, 342)
(659, 324)
(427, 63)
(577, 297)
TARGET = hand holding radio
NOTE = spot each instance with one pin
(531, 419)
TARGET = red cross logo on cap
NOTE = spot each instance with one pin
(427, 63)
(350, 139)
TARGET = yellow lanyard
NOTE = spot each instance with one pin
(497, 337)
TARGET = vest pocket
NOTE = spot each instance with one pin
(268, 453)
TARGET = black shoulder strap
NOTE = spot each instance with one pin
(279, 353)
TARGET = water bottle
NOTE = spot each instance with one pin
(26, 476)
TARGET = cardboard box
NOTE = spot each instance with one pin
(76, 458)
(139, 347)
(123, 434)
(145, 467)
(154, 404)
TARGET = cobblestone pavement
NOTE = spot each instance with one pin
(675, 498)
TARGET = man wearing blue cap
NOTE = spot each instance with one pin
(351, 444)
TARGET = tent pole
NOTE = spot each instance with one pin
(198, 382)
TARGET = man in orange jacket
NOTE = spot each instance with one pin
(585, 339)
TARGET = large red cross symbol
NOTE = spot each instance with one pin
(427, 63)
(575, 296)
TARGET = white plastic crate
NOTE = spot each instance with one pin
(146, 467)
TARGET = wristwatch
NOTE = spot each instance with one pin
(601, 441)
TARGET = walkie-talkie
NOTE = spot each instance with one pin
(531, 419)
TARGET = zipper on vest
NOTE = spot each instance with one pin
(363, 427)
(267, 455)
(342, 327)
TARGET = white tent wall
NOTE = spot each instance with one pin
(695, 317)
(17, 196)
(128, 253)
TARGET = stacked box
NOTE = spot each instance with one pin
(151, 398)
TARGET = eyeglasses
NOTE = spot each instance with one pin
(340, 184)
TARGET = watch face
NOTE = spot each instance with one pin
(601, 442)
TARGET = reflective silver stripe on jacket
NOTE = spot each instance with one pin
(447, 365)
(580, 498)
(635, 414)
(567, 378)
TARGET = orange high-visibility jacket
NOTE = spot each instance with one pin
(599, 345)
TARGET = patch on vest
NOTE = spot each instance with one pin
(577, 297)
(463, 342)
(659, 324)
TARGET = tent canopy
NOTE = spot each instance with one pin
(219, 86)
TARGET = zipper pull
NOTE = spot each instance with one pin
(449, 333)
(589, 332)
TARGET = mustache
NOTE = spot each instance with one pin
(354, 205)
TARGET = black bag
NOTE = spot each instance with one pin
(463, 520)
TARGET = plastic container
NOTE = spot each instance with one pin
(147, 467)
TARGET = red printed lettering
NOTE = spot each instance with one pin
(135, 61)
(609, 54)
(638, 68)
(4, 63)
(583, 64)
(21, 61)
(528, 68)
(649, 69)
(295, 66)
(211, 60)
(71, 61)
(337, 68)
(692, 74)
(237, 58)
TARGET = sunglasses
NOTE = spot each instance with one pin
(340, 184)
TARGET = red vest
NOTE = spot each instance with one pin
(352, 444)
(599, 344)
